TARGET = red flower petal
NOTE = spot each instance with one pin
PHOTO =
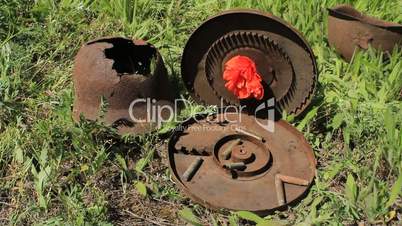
(243, 93)
(242, 78)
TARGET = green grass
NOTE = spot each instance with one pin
(53, 171)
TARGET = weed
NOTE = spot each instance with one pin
(54, 171)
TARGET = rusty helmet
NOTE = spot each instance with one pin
(349, 29)
(129, 74)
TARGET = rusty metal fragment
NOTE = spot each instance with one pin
(279, 185)
(258, 175)
(349, 29)
(192, 169)
(283, 58)
(119, 70)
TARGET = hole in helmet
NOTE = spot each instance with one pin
(128, 57)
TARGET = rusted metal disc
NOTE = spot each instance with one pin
(230, 161)
(283, 58)
(349, 29)
(121, 71)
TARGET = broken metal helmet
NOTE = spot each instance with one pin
(129, 75)
(349, 29)
(245, 57)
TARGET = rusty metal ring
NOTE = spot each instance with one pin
(300, 53)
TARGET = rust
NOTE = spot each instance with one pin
(192, 169)
(235, 166)
(292, 180)
(226, 154)
(280, 193)
(349, 29)
(251, 134)
(279, 185)
(120, 71)
(282, 56)
(257, 176)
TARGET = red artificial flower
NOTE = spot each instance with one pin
(242, 78)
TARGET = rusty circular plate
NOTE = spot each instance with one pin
(230, 161)
(283, 58)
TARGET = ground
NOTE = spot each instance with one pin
(54, 171)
